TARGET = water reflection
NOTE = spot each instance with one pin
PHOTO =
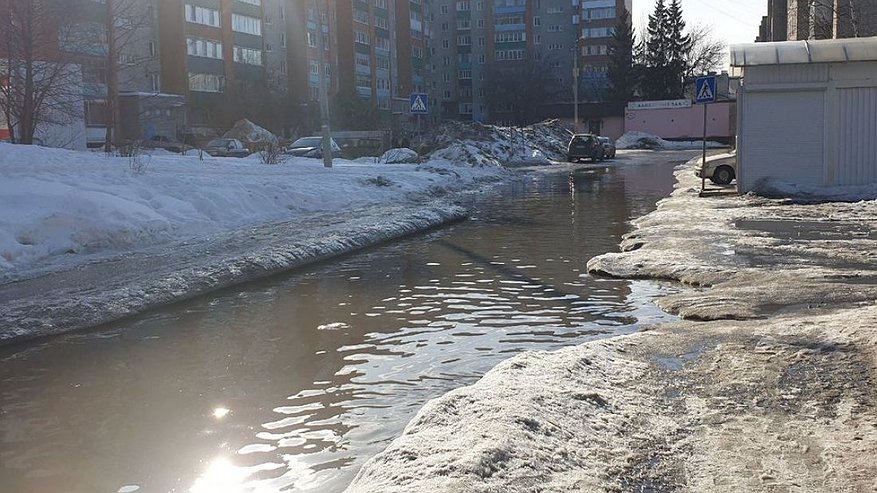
(291, 384)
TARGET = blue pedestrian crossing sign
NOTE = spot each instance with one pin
(705, 89)
(419, 104)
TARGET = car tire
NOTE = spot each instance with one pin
(723, 175)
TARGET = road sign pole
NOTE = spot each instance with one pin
(703, 161)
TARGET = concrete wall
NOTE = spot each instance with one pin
(683, 123)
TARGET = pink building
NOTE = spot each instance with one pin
(681, 120)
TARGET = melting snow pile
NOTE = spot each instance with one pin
(488, 145)
(250, 133)
(56, 205)
(642, 140)
(400, 155)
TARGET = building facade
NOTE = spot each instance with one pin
(597, 19)
(791, 20)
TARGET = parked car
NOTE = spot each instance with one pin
(585, 146)
(721, 169)
(166, 143)
(311, 147)
(608, 146)
(226, 148)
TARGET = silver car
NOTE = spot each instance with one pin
(608, 146)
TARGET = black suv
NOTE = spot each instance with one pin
(585, 146)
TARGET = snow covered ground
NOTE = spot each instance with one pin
(768, 386)
(58, 205)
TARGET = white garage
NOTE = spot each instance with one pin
(807, 113)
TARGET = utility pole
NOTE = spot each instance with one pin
(324, 93)
(575, 84)
(112, 77)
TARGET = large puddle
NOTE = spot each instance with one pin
(291, 384)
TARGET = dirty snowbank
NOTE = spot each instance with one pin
(781, 399)
(642, 140)
(491, 145)
(86, 295)
(737, 245)
(58, 206)
(690, 407)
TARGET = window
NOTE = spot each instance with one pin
(464, 74)
(360, 37)
(381, 4)
(248, 56)
(444, 9)
(537, 21)
(464, 6)
(152, 50)
(246, 24)
(502, 55)
(155, 82)
(202, 15)
(382, 43)
(268, 47)
(252, 2)
(465, 108)
(599, 13)
(464, 40)
(206, 82)
(360, 16)
(283, 40)
(382, 22)
(312, 39)
(555, 10)
(283, 68)
(555, 46)
(206, 48)
(416, 52)
(510, 37)
(555, 29)
(598, 32)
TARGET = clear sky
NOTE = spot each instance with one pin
(735, 21)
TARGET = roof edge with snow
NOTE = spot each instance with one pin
(814, 51)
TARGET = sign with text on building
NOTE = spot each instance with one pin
(705, 89)
(658, 105)
(419, 103)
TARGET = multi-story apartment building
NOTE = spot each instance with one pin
(212, 50)
(597, 19)
(788, 20)
(480, 44)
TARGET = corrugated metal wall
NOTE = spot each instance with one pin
(857, 136)
(782, 138)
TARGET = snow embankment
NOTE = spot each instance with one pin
(490, 145)
(58, 205)
(642, 140)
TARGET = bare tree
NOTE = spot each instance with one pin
(38, 84)
(707, 52)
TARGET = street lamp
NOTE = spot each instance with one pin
(324, 96)
(575, 83)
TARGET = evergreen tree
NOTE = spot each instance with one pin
(678, 46)
(621, 59)
(657, 45)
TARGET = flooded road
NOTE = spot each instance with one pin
(292, 383)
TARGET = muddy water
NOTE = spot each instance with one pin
(293, 383)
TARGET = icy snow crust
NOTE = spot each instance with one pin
(773, 392)
(85, 239)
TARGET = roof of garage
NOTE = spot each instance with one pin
(788, 52)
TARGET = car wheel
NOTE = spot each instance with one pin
(722, 175)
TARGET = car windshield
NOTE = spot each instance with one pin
(604, 140)
(307, 142)
(219, 143)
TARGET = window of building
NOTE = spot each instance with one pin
(202, 15)
(152, 50)
(464, 6)
(361, 37)
(207, 48)
(252, 2)
(464, 40)
(510, 37)
(360, 16)
(155, 82)
(248, 56)
(381, 4)
(555, 28)
(206, 82)
(444, 9)
(312, 39)
(246, 24)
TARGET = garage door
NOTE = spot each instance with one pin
(857, 136)
(782, 138)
